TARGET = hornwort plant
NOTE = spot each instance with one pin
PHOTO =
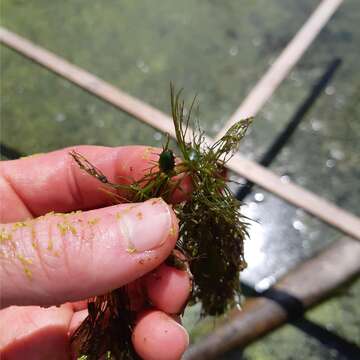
(212, 233)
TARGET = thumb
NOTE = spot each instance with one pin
(67, 257)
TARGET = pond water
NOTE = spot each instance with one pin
(218, 50)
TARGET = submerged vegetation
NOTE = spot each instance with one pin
(212, 232)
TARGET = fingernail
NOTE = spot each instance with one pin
(145, 226)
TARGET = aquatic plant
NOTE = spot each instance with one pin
(212, 232)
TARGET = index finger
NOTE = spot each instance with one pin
(38, 184)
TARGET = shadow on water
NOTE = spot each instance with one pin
(9, 153)
(295, 310)
(294, 122)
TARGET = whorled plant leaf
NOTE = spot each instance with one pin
(212, 233)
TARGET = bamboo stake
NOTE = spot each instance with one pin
(297, 195)
(301, 288)
(88, 82)
(279, 70)
(250, 170)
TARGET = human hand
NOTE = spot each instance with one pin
(58, 259)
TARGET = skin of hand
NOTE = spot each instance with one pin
(51, 261)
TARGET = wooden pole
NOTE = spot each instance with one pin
(88, 82)
(296, 195)
(285, 134)
(279, 70)
(250, 170)
(300, 289)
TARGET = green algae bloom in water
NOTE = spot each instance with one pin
(212, 233)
